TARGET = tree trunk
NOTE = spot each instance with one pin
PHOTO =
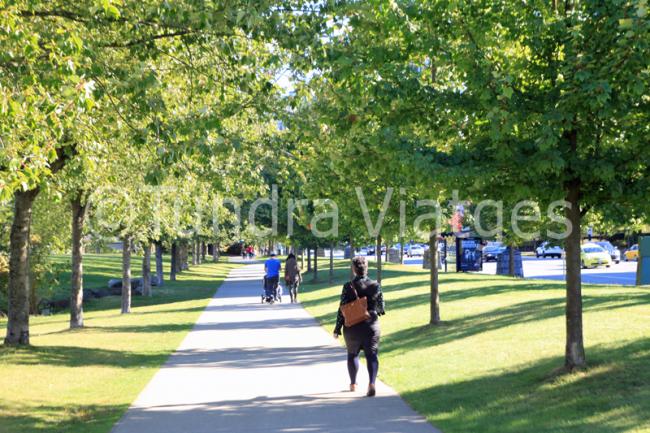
(575, 351)
(18, 314)
(77, 292)
(126, 275)
(434, 318)
(386, 254)
(174, 262)
(302, 258)
(185, 262)
(195, 252)
(331, 279)
(146, 270)
(401, 250)
(378, 254)
(203, 251)
(19, 287)
(179, 258)
(159, 264)
(215, 252)
(316, 263)
(308, 259)
(181, 263)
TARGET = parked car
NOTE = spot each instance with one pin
(632, 253)
(593, 255)
(614, 252)
(548, 250)
(363, 252)
(415, 250)
(492, 252)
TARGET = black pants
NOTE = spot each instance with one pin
(271, 286)
(293, 291)
(364, 336)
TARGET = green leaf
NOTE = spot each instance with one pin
(76, 41)
(110, 9)
(625, 23)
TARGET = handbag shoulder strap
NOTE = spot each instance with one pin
(354, 289)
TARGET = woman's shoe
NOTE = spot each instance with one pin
(353, 387)
(371, 390)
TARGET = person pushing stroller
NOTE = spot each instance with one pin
(272, 269)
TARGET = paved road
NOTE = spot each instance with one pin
(248, 368)
(623, 273)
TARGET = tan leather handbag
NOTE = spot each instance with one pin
(356, 311)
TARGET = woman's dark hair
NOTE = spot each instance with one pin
(291, 256)
(360, 266)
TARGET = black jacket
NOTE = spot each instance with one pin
(366, 288)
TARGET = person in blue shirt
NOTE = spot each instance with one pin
(272, 275)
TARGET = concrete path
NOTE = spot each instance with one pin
(248, 367)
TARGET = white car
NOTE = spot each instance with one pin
(415, 250)
(363, 252)
(547, 250)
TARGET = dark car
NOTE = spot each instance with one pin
(492, 253)
(614, 252)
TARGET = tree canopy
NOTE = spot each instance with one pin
(161, 118)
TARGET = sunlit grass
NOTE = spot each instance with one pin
(82, 381)
(492, 365)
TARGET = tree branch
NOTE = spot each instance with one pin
(55, 13)
(150, 39)
(62, 157)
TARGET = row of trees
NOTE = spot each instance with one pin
(139, 115)
(504, 100)
(101, 102)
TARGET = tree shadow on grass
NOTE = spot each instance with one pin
(170, 293)
(611, 396)
(169, 297)
(38, 418)
(498, 318)
(74, 356)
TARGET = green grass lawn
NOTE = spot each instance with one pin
(492, 366)
(82, 381)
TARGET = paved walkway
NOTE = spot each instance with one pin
(248, 367)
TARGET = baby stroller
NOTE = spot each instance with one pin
(271, 294)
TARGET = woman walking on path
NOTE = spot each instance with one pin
(365, 335)
(292, 276)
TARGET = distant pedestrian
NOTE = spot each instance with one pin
(365, 335)
(272, 269)
(292, 276)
